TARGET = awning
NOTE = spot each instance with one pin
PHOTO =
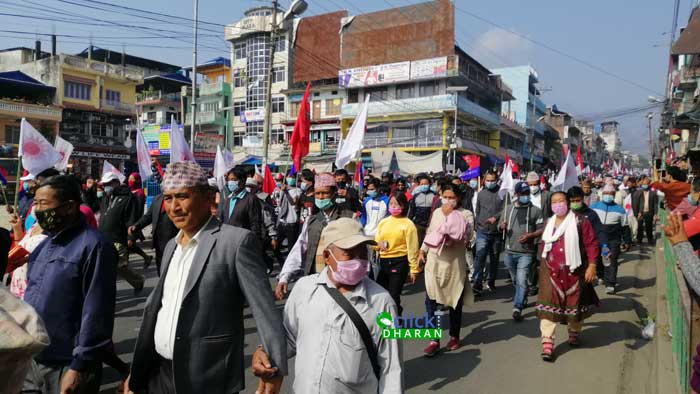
(495, 160)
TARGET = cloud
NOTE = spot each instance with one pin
(500, 48)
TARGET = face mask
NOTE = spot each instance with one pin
(608, 198)
(395, 211)
(490, 184)
(524, 199)
(25, 187)
(323, 203)
(473, 184)
(434, 189)
(109, 189)
(131, 183)
(423, 188)
(304, 186)
(448, 202)
(349, 272)
(291, 182)
(232, 186)
(560, 208)
(577, 206)
(645, 187)
(279, 185)
(100, 194)
(49, 219)
(691, 201)
(534, 189)
(371, 193)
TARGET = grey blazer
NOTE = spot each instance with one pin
(208, 351)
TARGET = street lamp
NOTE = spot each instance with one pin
(295, 9)
(455, 90)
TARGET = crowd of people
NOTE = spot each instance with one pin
(345, 248)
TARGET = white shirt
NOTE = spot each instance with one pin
(536, 199)
(173, 291)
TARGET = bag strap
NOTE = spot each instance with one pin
(359, 324)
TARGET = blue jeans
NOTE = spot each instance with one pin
(487, 245)
(518, 266)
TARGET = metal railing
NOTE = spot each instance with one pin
(157, 96)
(105, 68)
(211, 88)
(117, 106)
(30, 110)
(202, 117)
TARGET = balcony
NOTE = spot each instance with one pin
(117, 106)
(381, 140)
(23, 110)
(157, 96)
(208, 89)
(204, 117)
(689, 77)
(129, 72)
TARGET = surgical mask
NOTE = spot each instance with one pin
(131, 183)
(534, 189)
(560, 208)
(645, 187)
(607, 198)
(349, 272)
(434, 189)
(423, 188)
(577, 206)
(49, 219)
(109, 189)
(100, 194)
(490, 184)
(473, 184)
(691, 201)
(524, 199)
(371, 193)
(279, 185)
(323, 203)
(25, 187)
(232, 186)
(448, 202)
(304, 186)
(395, 211)
(291, 182)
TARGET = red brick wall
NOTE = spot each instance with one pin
(317, 47)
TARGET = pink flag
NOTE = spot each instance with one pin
(65, 149)
(179, 149)
(36, 152)
(143, 157)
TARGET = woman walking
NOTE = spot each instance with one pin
(397, 238)
(444, 252)
(136, 187)
(569, 253)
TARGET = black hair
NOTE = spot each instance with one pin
(307, 175)
(676, 173)
(67, 188)
(696, 185)
(562, 193)
(420, 176)
(47, 173)
(491, 172)
(402, 200)
(455, 189)
(384, 189)
(240, 173)
(575, 192)
(340, 171)
(373, 181)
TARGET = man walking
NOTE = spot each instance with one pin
(72, 286)
(488, 210)
(614, 218)
(645, 205)
(421, 205)
(191, 336)
(162, 228)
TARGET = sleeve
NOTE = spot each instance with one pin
(295, 258)
(99, 275)
(412, 247)
(291, 321)
(411, 209)
(255, 217)
(690, 264)
(256, 288)
(363, 215)
(146, 219)
(600, 232)
(499, 208)
(590, 242)
(390, 359)
(477, 208)
(132, 211)
(692, 226)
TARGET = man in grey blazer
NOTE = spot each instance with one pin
(191, 336)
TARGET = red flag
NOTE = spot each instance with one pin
(269, 184)
(300, 137)
(473, 161)
(359, 180)
(579, 159)
(543, 183)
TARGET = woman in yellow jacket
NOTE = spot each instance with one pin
(397, 238)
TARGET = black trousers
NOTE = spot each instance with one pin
(431, 306)
(162, 380)
(392, 275)
(645, 224)
(290, 232)
(610, 272)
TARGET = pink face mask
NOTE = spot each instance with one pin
(560, 208)
(395, 211)
(349, 272)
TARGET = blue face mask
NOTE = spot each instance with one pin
(524, 199)
(291, 182)
(304, 186)
(279, 185)
(100, 194)
(473, 184)
(645, 187)
(25, 187)
(490, 184)
(371, 193)
(422, 188)
(323, 203)
(691, 201)
(233, 186)
(608, 198)
(433, 189)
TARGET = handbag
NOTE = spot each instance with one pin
(359, 325)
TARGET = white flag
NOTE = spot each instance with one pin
(65, 149)
(350, 147)
(143, 157)
(507, 186)
(220, 168)
(36, 152)
(179, 149)
(111, 172)
(567, 176)
(228, 158)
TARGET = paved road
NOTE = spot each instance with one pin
(498, 355)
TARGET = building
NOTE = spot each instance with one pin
(22, 96)
(592, 146)
(610, 133)
(97, 91)
(251, 46)
(406, 61)
(158, 99)
(567, 128)
(527, 110)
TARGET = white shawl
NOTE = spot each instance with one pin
(569, 230)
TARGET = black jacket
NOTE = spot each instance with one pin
(162, 228)
(247, 214)
(119, 211)
(638, 202)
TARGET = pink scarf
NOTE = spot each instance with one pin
(454, 229)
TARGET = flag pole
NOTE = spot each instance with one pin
(19, 171)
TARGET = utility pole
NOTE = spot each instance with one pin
(651, 137)
(194, 74)
(268, 88)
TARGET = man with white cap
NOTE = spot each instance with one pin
(334, 352)
(614, 218)
(540, 199)
(191, 336)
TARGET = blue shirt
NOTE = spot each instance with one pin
(72, 286)
(234, 200)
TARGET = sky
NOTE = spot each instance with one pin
(627, 39)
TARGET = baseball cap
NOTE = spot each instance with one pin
(522, 188)
(251, 182)
(109, 177)
(344, 233)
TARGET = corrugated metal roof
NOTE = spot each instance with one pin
(689, 41)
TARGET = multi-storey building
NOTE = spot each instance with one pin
(565, 125)
(158, 99)
(592, 146)
(610, 133)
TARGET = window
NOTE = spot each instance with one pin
(75, 90)
(377, 94)
(277, 135)
(278, 74)
(404, 91)
(238, 107)
(170, 115)
(333, 107)
(353, 96)
(152, 117)
(316, 109)
(294, 109)
(210, 107)
(239, 51)
(11, 134)
(113, 96)
(429, 88)
(280, 44)
(238, 137)
(277, 104)
(238, 81)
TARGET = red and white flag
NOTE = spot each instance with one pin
(36, 152)
(110, 171)
(567, 176)
(179, 149)
(144, 158)
(65, 149)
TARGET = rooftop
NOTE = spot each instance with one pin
(115, 57)
(689, 40)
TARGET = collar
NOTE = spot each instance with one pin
(360, 291)
(241, 194)
(66, 232)
(196, 237)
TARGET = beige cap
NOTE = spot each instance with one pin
(344, 233)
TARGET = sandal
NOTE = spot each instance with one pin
(573, 339)
(548, 351)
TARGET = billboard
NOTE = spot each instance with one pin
(429, 68)
(374, 75)
(158, 139)
(205, 144)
